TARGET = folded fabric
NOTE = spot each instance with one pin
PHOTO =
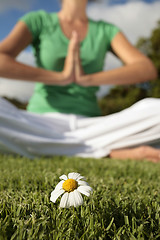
(33, 135)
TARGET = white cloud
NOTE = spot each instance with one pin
(20, 90)
(135, 18)
(15, 4)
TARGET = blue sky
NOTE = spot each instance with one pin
(136, 18)
(11, 13)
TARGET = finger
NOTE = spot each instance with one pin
(77, 54)
(73, 44)
(75, 36)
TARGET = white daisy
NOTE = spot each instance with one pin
(71, 187)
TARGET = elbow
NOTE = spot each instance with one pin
(152, 73)
(155, 73)
(4, 60)
(1, 61)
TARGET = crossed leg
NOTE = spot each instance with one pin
(138, 153)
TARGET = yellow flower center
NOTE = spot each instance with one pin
(70, 185)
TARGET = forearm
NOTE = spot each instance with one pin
(10, 68)
(128, 74)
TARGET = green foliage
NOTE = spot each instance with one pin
(121, 97)
(151, 46)
(124, 205)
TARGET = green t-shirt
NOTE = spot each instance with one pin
(50, 49)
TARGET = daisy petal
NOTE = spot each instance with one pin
(71, 199)
(63, 177)
(86, 190)
(80, 177)
(73, 175)
(64, 201)
(78, 200)
(55, 194)
(59, 185)
(82, 183)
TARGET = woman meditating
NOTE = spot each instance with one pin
(63, 117)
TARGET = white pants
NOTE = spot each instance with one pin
(32, 135)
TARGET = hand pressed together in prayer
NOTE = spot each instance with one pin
(73, 71)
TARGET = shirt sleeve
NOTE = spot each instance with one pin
(110, 32)
(34, 22)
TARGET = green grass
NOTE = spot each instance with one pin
(125, 203)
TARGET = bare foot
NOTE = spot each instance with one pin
(139, 153)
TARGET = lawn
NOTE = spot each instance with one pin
(125, 203)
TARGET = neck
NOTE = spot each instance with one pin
(73, 10)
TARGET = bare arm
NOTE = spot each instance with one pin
(17, 40)
(137, 67)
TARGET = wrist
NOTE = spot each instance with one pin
(53, 78)
(63, 76)
(85, 80)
